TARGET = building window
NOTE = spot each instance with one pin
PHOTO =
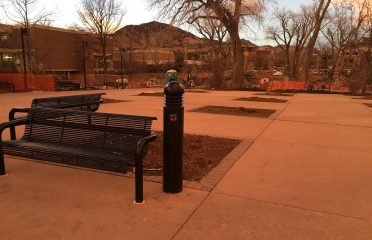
(99, 63)
(4, 36)
(7, 60)
(8, 57)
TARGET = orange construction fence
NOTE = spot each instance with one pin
(296, 85)
(285, 85)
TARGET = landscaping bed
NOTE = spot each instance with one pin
(151, 94)
(196, 91)
(238, 111)
(200, 155)
(110, 100)
(275, 94)
(260, 99)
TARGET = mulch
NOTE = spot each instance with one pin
(200, 155)
(237, 111)
(151, 94)
(110, 100)
(260, 99)
(364, 98)
(197, 91)
(275, 94)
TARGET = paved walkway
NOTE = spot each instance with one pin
(308, 175)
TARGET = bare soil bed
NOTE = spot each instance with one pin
(275, 94)
(201, 154)
(364, 98)
(151, 94)
(260, 99)
(196, 91)
(238, 111)
(368, 104)
(110, 100)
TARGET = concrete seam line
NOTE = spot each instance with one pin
(294, 207)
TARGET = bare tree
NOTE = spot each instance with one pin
(302, 29)
(321, 9)
(291, 31)
(231, 13)
(27, 13)
(346, 38)
(283, 34)
(342, 32)
(216, 34)
(365, 43)
(101, 18)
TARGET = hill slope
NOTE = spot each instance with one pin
(154, 35)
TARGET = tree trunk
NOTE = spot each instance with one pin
(319, 16)
(289, 65)
(104, 60)
(238, 60)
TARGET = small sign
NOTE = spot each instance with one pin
(173, 117)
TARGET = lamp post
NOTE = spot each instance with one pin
(84, 66)
(122, 50)
(24, 31)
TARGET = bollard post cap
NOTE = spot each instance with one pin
(174, 89)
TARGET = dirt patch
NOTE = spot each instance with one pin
(238, 111)
(260, 99)
(151, 94)
(364, 98)
(110, 100)
(275, 94)
(200, 155)
(197, 91)
(368, 104)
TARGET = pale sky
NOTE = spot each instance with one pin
(137, 12)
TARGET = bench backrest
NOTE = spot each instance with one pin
(68, 100)
(115, 133)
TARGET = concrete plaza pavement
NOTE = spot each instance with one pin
(307, 176)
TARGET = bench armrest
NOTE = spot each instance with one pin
(143, 142)
(12, 124)
(139, 166)
(13, 111)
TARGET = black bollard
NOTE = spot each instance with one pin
(173, 138)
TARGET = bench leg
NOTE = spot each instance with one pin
(12, 128)
(2, 163)
(139, 179)
(12, 133)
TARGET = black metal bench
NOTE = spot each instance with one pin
(107, 84)
(67, 85)
(109, 142)
(83, 102)
(7, 86)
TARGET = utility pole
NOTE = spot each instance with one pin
(84, 66)
(24, 31)
(121, 67)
